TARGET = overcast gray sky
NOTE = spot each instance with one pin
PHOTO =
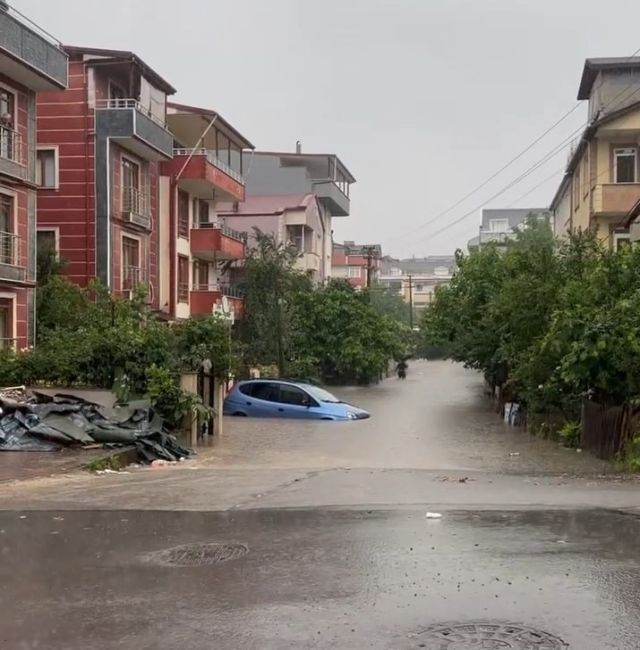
(422, 99)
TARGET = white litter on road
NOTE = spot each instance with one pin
(433, 515)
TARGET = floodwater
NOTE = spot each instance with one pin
(439, 418)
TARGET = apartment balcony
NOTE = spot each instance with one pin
(207, 299)
(500, 238)
(13, 153)
(131, 279)
(215, 241)
(308, 262)
(334, 199)
(200, 173)
(613, 199)
(131, 125)
(13, 261)
(136, 208)
(29, 55)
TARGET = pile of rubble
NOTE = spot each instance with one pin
(33, 421)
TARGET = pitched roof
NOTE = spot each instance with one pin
(593, 67)
(125, 55)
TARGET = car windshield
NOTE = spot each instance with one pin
(322, 395)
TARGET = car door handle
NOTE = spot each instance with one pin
(281, 410)
(248, 403)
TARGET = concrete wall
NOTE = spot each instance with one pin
(266, 177)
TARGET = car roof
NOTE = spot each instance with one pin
(276, 379)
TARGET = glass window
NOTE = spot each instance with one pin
(183, 278)
(46, 241)
(183, 214)
(46, 168)
(293, 395)
(499, 225)
(355, 271)
(266, 391)
(625, 165)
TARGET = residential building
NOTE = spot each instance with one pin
(31, 62)
(601, 183)
(322, 175)
(295, 219)
(100, 145)
(197, 248)
(500, 226)
(415, 279)
(359, 263)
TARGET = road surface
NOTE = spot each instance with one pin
(314, 535)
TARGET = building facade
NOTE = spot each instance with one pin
(31, 62)
(359, 263)
(500, 226)
(104, 138)
(601, 184)
(293, 219)
(415, 279)
(197, 247)
(324, 176)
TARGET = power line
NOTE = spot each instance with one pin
(482, 185)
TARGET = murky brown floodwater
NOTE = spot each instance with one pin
(439, 419)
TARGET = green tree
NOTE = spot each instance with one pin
(390, 302)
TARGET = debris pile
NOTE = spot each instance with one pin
(33, 421)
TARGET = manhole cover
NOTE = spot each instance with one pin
(486, 636)
(199, 554)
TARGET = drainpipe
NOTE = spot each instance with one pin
(173, 247)
(86, 172)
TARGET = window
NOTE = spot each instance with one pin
(266, 391)
(201, 275)
(293, 395)
(47, 240)
(131, 271)
(183, 278)
(9, 139)
(624, 161)
(355, 272)
(130, 174)
(7, 108)
(419, 288)
(621, 240)
(296, 237)
(6, 323)
(498, 225)
(183, 214)
(8, 248)
(203, 211)
(46, 168)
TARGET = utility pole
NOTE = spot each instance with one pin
(370, 267)
(279, 342)
(411, 301)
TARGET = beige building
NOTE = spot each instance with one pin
(415, 279)
(601, 184)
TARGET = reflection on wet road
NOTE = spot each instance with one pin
(438, 418)
(313, 579)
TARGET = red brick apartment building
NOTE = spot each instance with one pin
(355, 261)
(31, 62)
(100, 143)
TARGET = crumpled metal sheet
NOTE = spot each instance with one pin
(43, 423)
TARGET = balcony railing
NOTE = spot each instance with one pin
(136, 206)
(12, 146)
(214, 160)
(129, 104)
(183, 292)
(226, 231)
(7, 343)
(133, 277)
(11, 249)
(216, 287)
(29, 24)
(183, 226)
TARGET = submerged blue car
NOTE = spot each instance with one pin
(279, 398)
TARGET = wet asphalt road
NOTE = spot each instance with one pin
(339, 552)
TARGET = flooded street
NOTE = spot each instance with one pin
(439, 418)
(289, 534)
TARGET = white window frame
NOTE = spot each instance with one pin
(354, 272)
(14, 217)
(620, 236)
(141, 259)
(12, 298)
(493, 222)
(56, 166)
(619, 153)
(56, 235)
